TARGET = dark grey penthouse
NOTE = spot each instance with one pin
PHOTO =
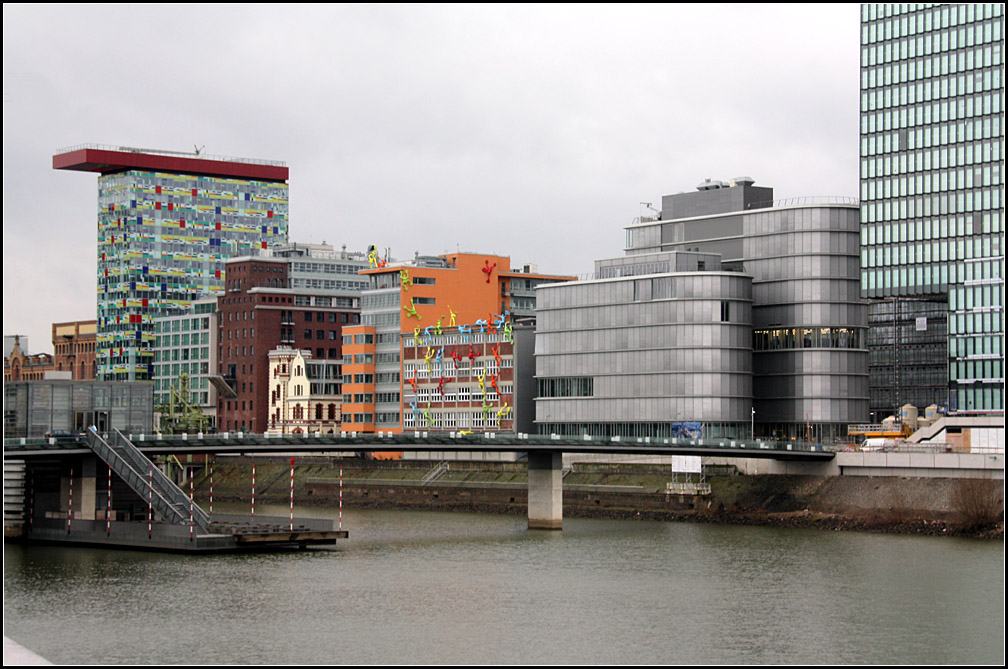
(806, 331)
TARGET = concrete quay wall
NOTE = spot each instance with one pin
(859, 463)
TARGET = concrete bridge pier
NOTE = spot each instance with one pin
(84, 488)
(545, 490)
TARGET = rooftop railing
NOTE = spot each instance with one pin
(162, 152)
(805, 201)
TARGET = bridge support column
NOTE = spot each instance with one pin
(545, 490)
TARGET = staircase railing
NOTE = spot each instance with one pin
(434, 474)
(145, 479)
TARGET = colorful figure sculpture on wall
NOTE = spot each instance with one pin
(427, 358)
(465, 331)
(412, 382)
(404, 279)
(503, 411)
(508, 330)
(482, 324)
(440, 386)
(411, 310)
(488, 269)
(452, 315)
(496, 351)
(500, 319)
(416, 335)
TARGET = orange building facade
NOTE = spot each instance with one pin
(435, 348)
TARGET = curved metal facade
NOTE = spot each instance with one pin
(809, 358)
(642, 355)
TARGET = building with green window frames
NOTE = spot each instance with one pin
(932, 207)
(186, 343)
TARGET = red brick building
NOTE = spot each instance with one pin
(74, 348)
(258, 313)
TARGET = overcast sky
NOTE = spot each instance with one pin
(530, 131)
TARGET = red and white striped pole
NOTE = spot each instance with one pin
(190, 504)
(211, 489)
(150, 502)
(292, 498)
(70, 502)
(341, 497)
(108, 505)
(253, 490)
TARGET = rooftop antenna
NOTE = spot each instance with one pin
(198, 149)
(649, 206)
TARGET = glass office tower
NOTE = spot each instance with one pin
(167, 221)
(932, 208)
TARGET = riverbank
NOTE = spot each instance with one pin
(896, 505)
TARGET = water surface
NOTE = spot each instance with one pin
(424, 587)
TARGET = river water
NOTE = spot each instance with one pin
(423, 587)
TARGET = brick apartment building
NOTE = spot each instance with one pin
(74, 348)
(260, 312)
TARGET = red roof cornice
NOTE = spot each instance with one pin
(105, 161)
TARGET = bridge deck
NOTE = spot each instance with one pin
(251, 444)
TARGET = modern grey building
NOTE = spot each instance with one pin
(932, 204)
(323, 272)
(37, 408)
(808, 321)
(658, 345)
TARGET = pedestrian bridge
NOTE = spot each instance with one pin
(544, 452)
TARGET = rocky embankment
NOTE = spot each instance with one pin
(939, 507)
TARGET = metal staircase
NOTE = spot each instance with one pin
(434, 474)
(145, 479)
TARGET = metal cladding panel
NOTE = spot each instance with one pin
(105, 161)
